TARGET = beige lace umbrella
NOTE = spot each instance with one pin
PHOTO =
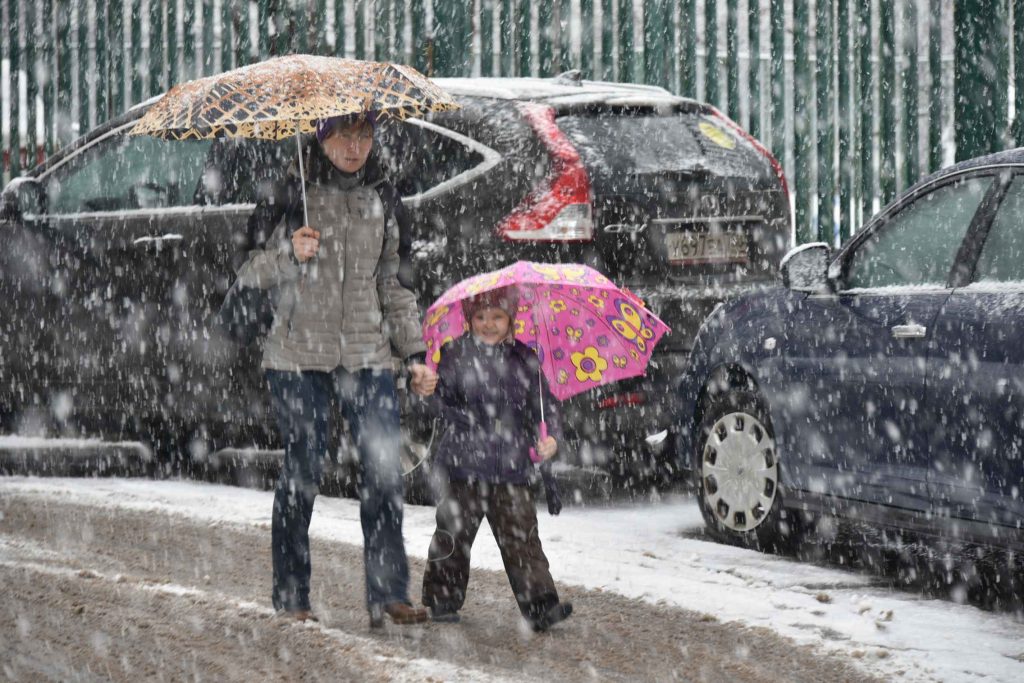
(286, 96)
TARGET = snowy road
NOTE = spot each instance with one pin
(112, 578)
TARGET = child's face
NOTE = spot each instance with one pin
(490, 325)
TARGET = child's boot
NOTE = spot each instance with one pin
(544, 618)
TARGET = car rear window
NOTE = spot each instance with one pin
(639, 141)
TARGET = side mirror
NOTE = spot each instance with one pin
(804, 268)
(21, 197)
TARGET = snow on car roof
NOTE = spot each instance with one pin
(560, 92)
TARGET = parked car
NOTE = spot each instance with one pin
(884, 384)
(663, 194)
(118, 249)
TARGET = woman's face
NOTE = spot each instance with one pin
(348, 147)
(490, 325)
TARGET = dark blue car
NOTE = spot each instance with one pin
(883, 384)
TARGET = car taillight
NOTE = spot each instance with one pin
(630, 398)
(776, 166)
(560, 208)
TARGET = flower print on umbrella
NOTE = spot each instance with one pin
(566, 308)
(484, 283)
(574, 273)
(436, 316)
(589, 365)
(557, 273)
(549, 272)
(631, 325)
(436, 355)
(537, 349)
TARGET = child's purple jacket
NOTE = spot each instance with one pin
(490, 399)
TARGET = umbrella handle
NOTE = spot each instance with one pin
(534, 455)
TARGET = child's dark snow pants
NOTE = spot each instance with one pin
(509, 509)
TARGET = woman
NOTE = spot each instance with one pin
(340, 309)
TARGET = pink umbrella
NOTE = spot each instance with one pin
(585, 330)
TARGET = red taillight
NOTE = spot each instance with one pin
(559, 209)
(631, 398)
(776, 166)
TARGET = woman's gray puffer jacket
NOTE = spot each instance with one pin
(345, 307)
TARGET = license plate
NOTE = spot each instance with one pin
(702, 247)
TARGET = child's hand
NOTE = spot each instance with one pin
(546, 448)
(422, 379)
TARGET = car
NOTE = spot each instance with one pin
(663, 194)
(882, 385)
(119, 250)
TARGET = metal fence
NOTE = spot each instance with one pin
(857, 98)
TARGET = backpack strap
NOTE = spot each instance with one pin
(394, 210)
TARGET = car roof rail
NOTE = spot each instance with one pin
(570, 77)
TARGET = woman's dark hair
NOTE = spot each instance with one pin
(320, 169)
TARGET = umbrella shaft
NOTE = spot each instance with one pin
(302, 180)
(305, 210)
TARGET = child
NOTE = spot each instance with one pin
(489, 388)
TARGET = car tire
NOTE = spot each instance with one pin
(165, 448)
(736, 471)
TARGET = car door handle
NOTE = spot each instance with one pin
(158, 239)
(911, 331)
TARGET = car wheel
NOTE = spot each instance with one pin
(737, 469)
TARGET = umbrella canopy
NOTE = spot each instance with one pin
(585, 330)
(285, 96)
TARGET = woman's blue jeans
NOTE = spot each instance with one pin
(304, 404)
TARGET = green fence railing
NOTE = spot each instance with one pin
(857, 98)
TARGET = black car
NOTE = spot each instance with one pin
(884, 384)
(119, 249)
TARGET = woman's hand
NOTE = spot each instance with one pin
(305, 243)
(547, 447)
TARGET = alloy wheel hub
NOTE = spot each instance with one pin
(740, 471)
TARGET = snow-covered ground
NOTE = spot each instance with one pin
(647, 551)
